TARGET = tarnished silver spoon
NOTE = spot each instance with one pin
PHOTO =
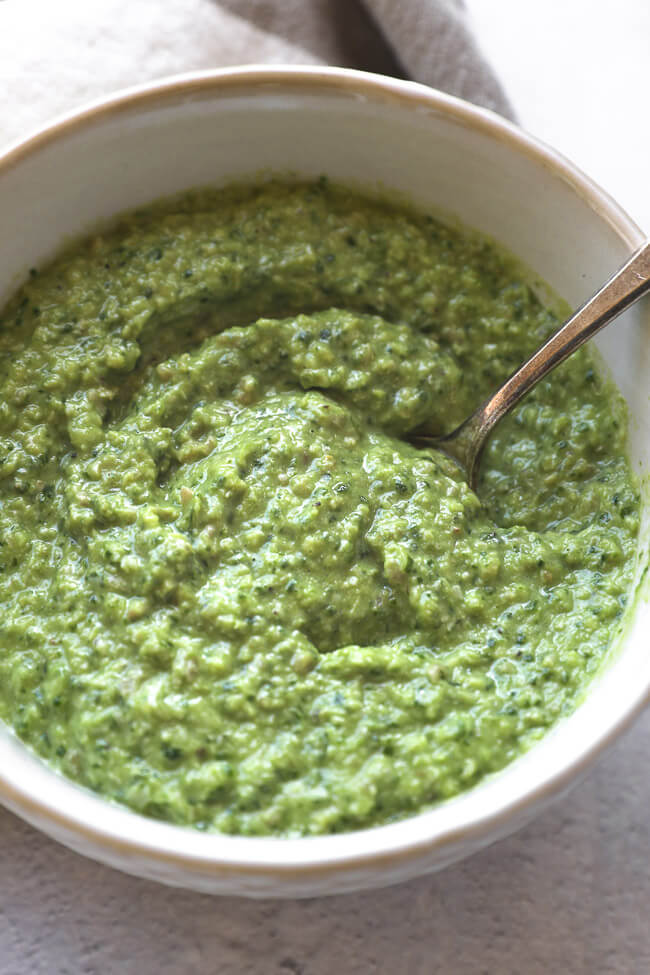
(465, 444)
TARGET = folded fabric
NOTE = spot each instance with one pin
(55, 56)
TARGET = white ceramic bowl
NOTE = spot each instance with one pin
(444, 155)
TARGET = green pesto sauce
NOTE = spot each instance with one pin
(232, 595)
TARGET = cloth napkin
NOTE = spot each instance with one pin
(57, 54)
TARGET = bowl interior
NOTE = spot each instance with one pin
(440, 155)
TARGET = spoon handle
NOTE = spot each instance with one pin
(629, 284)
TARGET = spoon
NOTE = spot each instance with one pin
(465, 444)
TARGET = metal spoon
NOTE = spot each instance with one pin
(465, 444)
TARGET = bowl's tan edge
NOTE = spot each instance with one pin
(347, 82)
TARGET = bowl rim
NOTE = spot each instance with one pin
(125, 833)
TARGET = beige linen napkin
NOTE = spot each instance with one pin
(56, 55)
(426, 40)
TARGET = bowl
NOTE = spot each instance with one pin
(443, 155)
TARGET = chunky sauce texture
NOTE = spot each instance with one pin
(233, 596)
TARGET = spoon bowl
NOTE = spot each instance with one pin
(467, 442)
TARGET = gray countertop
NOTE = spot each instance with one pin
(569, 894)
